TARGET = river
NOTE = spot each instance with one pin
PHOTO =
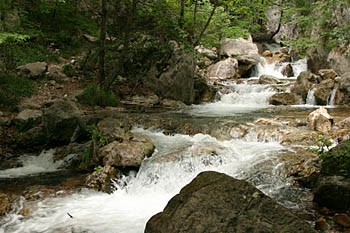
(178, 158)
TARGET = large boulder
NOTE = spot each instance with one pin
(284, 99)
(343, 94)
(338, 59)
(304, 82)
(207, 52)
(60, 121)
(225, 69)
(28, 118)
(128, 153)
(176, 81)
(215, 202)
(33, 70)
(320, 120)
(245, 51)
(323, 91)
(333, 192)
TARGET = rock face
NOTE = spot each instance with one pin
(226, 69)
(323, 91)
(338, 59)
(214, 202)
(60, 120)
(343, 94)
(304, 82)
(128, 153)
(33, 70)
(284, 99)
(320, 120)
(177, 80)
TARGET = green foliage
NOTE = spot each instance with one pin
(301, 44)
(98, 168)
(12, 88)
(8, 37)
(97, 135)
(94, 95)
(322, 145)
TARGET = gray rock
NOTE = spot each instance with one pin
(327, 73)
(333, 192)
(284, 99)
(268, 79)
(214, 202)
(338, 59)
(33, 70)
(238, 47)
(60, 121)
(304, 82)
(323, 91)
(101, 180)
(207, 52)
(29, 118)
(320, 120)
(226, 69)
(288, 71)
(128, 153)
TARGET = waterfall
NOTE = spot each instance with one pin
(331, 100)
(241, 98)
(275, 68)
(310, 99)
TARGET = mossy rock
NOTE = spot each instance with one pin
(337, 160)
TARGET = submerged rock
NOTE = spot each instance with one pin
(284, 99)
(214, 202)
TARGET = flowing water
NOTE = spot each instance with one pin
(177, 160)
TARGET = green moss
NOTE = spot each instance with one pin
(337, 161)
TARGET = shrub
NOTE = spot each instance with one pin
(11, 89)
(95, 95)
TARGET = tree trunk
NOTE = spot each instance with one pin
(182, 14)
(103, 29)
(205, 26)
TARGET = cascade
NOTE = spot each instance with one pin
(310, 99)
(331, 100)
(175, 162)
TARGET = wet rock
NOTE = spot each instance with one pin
(342, 219)
(323, 91)
(321, 224)
(333, 192)
(320, 120)
(33, 139)
(60, 121)
(214, 202)
(129, 153)
(102, 179)
(304, 82)
(327, 74)
(33, 70)
(284, 99)
(5, 203)
(173, 104)
(288, 71)
(268, 79)
(226, 69)
(267, 53)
